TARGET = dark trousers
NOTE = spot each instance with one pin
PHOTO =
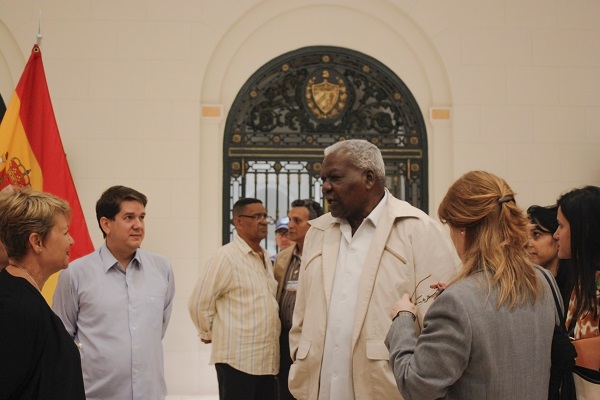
(238, 385)
(285, 362)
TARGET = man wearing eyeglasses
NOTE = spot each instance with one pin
(287, 270)
(233, 307)
(357, 260)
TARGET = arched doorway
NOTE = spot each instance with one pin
(305, 100)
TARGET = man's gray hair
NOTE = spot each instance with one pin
(365, 155)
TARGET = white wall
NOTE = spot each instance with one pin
(128, 80)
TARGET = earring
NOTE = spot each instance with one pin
(462, 233)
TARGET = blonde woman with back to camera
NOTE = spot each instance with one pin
(488, 334)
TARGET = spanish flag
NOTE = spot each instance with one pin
(31, 152)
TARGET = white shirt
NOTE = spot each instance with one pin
(336, 371)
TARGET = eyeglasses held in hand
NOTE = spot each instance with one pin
(420, 299)
(260, 217)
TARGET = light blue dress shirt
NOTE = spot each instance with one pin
(118, 318)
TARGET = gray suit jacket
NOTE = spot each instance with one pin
(469, 349)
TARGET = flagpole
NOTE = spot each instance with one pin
(38, 37)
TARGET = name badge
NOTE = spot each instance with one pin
(291, 286)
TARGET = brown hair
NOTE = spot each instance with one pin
(109, 203)
(496, 233)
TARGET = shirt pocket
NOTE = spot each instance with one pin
(396, 253)
(154, 305)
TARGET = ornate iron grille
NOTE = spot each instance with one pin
(303, 101)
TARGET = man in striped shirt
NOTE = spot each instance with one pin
(234, 308)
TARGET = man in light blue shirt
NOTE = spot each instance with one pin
(116, 303)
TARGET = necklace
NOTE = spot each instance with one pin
(29, 275)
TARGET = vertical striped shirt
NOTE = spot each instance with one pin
(287, 300)
(234, 306)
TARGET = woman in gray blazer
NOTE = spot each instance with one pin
(488, 334)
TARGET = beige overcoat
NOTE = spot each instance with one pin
(408, 246)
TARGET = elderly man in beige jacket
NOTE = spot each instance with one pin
(357, 261)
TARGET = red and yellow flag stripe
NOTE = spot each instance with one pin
(31, 152)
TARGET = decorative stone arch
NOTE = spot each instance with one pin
(12, 62)
(305, 100)
(272, 28)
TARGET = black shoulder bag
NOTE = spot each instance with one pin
(562, 386)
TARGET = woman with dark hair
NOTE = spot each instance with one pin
(543, 248)
(578, 237)
(475, 332)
